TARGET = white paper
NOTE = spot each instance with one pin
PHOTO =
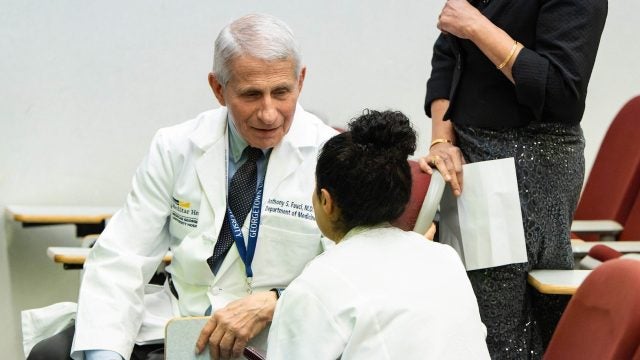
(484, 224)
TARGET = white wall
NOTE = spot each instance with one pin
(85, 84)
(616, 76)
(8, 333)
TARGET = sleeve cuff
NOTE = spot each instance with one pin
(101, 355)
(278, 292)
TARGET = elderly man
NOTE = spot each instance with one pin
(229, 193)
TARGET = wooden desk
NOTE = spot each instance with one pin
(87, 219)
(558, 282)
(625, 247)
(74, 257)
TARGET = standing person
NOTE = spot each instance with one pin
(381, 293)
(253, 158)
(509, 79)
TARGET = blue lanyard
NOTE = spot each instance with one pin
(247, 252)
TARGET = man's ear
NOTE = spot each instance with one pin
(301, 76)
(217, 88)
(329, 205)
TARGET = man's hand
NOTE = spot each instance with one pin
(229, 329)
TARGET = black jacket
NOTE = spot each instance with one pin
(551, 73)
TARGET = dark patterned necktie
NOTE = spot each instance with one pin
(242, 189)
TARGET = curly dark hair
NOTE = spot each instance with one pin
(365, 169)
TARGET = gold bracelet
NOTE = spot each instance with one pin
(513, 51)
(438, 141)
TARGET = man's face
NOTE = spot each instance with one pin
(261, 97)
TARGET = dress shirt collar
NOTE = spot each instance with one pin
(236, 142)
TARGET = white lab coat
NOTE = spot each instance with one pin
(380, 294)
(182, 182)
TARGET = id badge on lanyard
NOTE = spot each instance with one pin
(247, 251)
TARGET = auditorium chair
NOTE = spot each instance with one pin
(614, 180)
(602, 319)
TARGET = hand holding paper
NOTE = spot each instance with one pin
(483, 224)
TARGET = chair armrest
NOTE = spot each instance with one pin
(74, 257)
(68, 254)
(608, 229)
(182, 333)
(558, 282)
(633, 256)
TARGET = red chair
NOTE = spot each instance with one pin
(631, 229)
(614, 180)
(419, 186)
(597, 255)
(602, 319)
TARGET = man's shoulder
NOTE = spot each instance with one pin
(308, 129)
(202, 122)
(200, 130)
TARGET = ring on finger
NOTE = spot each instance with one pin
(435, 159)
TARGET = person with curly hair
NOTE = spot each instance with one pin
(381, 292)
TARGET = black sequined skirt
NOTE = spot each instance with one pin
(549, 160)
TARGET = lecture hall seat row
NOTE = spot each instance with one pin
(611, 193)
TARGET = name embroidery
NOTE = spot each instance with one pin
(290, 208)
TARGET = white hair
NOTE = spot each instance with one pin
(258, 35)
